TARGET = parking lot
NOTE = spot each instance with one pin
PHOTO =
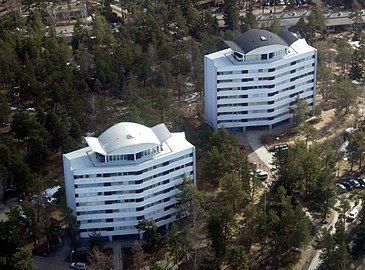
(54, 260)
(350, 183)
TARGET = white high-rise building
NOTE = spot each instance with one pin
(256, 81)
(129, 173)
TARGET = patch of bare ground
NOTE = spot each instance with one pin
(53, 171)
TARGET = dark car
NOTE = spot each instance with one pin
(41, 250)
(279, 147)
(11, 193)
(361, 181)
(78, 265)
(348, 186)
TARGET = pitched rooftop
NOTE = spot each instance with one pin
(255, 38)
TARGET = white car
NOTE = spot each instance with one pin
(353, 215)
(341, 187)
(78, 265)
(355, 183)
(261, 174)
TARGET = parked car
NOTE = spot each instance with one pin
(261, 174)
(353, 215)
(362, 182)
(41, 250)
(355, 183)
(279, 147)
(11, 193)
(60, 241)
(341, 188)
(348, 186)
(78, 265)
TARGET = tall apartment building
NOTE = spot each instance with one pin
(129, 173)
(256, 81)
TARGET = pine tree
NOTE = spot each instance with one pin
(138, 256)
(355, 72)
(230, 14)
(357, 18)
(237, 258)
(249, 20)
(23, 260)
(275, 26)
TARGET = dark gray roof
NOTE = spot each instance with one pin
(288, 37)
(256, 38)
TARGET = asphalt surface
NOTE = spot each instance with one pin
(55, 261)
(253, 139)
(291, 17)
(315, 261)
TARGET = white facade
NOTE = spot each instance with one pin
(253, 85)
(128, 173)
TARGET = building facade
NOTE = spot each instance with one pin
(129, 173)
(256, 81)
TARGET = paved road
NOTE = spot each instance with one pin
(54, 261)
(253, 139)
(117, 250)
(315, 262)
(290, 18)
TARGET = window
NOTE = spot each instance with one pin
(100, 157)
(238, 56)
(130, 157)
(271, 55)
(224, 72)
(139, 155)
(263, 56)
(247, 80)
